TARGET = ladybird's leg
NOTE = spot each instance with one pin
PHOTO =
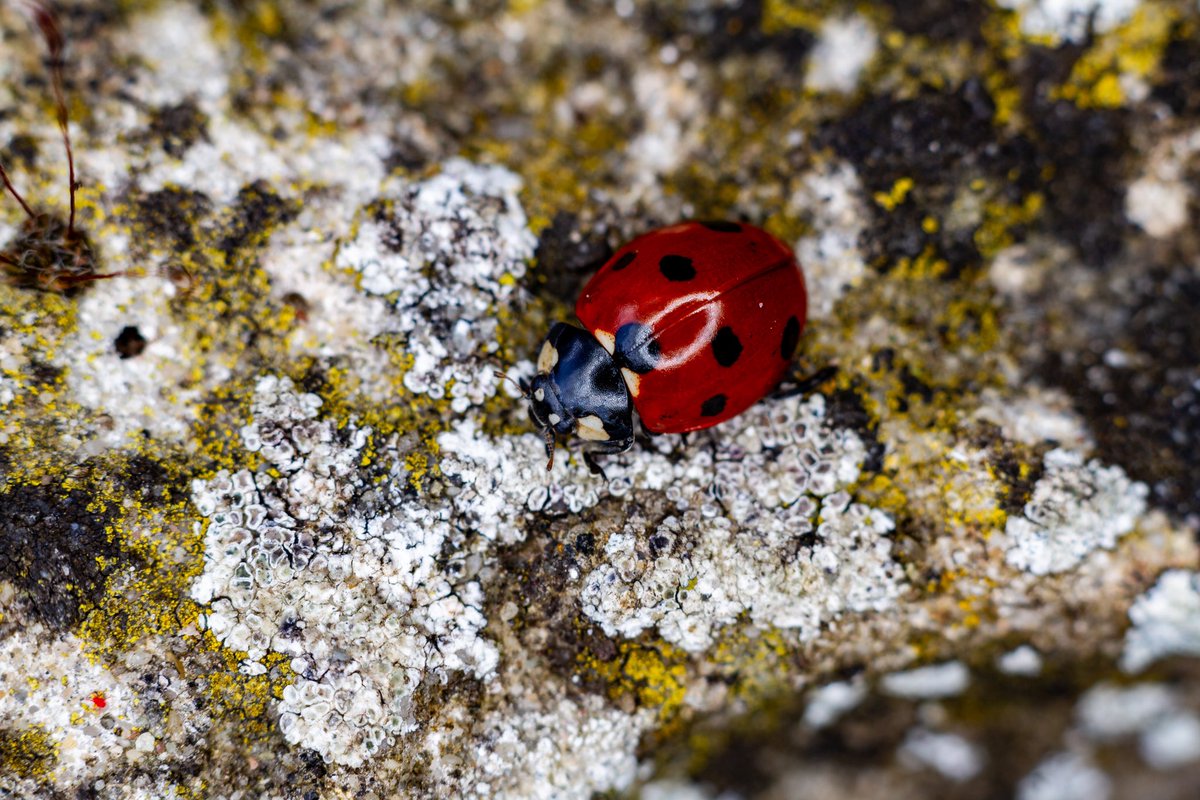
(805, 385)
(603, 448)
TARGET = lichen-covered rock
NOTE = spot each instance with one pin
(273, 524)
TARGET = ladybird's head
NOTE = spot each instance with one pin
(578, 390)
(546, 407)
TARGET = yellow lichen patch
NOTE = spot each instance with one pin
(755, 659)
(969, 322)
(27, 753)
(951, 490)
(216, 433)
(416, 419)
(652, 675)
(881, 492)
(779, 16)
(1132, 50)
(558, 166)
(894, 196)
(926, 266)
(996, 232)
(157, 551)
(241, 698)
(35, 325)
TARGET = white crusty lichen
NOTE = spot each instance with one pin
(1166, 621)
(1077, 507)
(1065, 776)
(929, 682)
(558, 750)
(50, 688)
(1022, 660)
(830, 197)
(446, 252)
(950, 754)
(1168, 732)
(828, 703)
(845, 46)
(308, 558)
(761, 524)
(1073, 20)
(763, 528)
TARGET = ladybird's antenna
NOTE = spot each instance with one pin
(548, 433)
(505, 376)
(47, 22)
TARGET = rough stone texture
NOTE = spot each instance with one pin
(272, 526)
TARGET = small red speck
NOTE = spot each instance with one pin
(99, 701)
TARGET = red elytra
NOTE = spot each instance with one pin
(717, 307)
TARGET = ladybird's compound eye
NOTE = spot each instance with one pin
(545, 407)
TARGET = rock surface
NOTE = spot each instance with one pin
(272, 526)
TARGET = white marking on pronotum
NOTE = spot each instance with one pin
(592, 429)
(607, 341)
(539, 395)
(555, 419)
(547, 358)
(632, 380)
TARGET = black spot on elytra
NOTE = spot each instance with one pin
(677, 268)
(791, 337)
(624, 261)
(713, 405)
(129, 342)
(636, 348)
(721, 226)
(726, 347)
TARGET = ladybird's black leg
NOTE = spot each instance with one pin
(683, 438)
(807, 384)
(603, 448)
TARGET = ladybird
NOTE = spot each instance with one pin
(689, 324)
